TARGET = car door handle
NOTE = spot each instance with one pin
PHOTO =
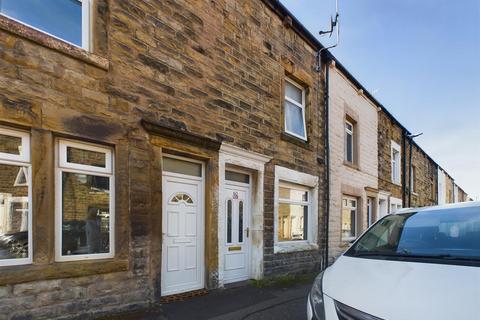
(248, 232)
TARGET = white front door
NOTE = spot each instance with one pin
(237, 233)
(182, 228)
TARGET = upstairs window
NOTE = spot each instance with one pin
(349, 142)
(396, 163)
(84, 201)
(67, 20)
(15, 198)
(295, 110)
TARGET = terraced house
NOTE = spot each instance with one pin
(353, 160)
(154, 148)
(150, 148)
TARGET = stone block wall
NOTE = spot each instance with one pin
(424, 191)
(449, 188)
(388, 130)
(215, 69)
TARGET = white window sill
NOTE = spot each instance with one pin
(291, 246)
(397, 183)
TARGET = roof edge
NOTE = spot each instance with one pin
(281, 11)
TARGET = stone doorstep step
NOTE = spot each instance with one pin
(183, 296)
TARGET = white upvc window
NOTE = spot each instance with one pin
(349, 218)
(370, 208)
(67, 20)
(349, 142)
(15, 198)
(395, 204)
(85, 201)
(396, 162)
(294, 110)
(295, 211)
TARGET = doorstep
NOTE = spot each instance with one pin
(183, 296)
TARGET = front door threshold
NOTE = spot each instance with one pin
(183, 296)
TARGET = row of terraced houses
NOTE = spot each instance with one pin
(152, 148)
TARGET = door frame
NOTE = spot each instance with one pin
(201, 206)
(222, 245)
(234, 157)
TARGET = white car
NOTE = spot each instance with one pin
(416, 264)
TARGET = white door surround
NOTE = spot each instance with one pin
(253, 163)
(183, 229)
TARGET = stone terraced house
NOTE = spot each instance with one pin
(154, 148)
(149, 148)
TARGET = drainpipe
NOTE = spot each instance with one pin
(327, 153)
(410, 140)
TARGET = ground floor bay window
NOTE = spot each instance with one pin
(15, 198)
(296, 211)
(84, 201)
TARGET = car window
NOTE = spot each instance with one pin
(448, 234)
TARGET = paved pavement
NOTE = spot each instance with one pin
(239, 303)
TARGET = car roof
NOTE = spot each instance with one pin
(469, 204)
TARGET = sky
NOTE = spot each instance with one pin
(421, 60)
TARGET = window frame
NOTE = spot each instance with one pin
(355, 225)
(302, 106)
(22, 160)
(398, 203)
(63, 144)
(396, 170)
(63, 166)
(311, 182)
(24, 155)
(86, 26)
(370, 201)
(352, 134)
(308, 204)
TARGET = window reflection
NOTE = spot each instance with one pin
(292, 221)
(10, 144)
(86, 214)
(86, 157)
(14, 207)
(349, 218)
(62, 19)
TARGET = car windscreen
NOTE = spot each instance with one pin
(444, 234)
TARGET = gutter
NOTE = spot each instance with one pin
(290, 20)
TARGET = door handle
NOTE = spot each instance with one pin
(248, 232)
